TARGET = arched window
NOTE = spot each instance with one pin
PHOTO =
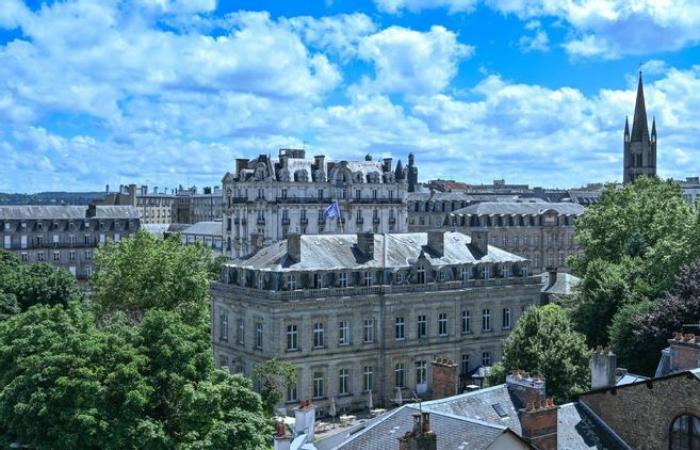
(685, 433)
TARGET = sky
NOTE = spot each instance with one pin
(170, 92)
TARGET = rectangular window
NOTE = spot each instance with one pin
(291, 282)
(343, 376)
(505, 270)
(367, 378)
(465, 364)
(240, 332)
(466, 322)
(318, 280)
(223, 327)
(422, 327)
(486, 320)
(7, 242)
(343, 332)
(486, 359)
(23, 241)
(399, 329)
(292, 393)
(506, 318)
(368, 331)
(358, 196)
(421, 274)
(319, 338)
(375, 195)
(88, 255)
(442, 324)
(56, 256)
(284, 194)
(400, 375)
(526, 270)
(466, 272)
(259, 335)
(368, 279)
(320, 194)
(421, 372)
(343, 279)
(487, 272)
(25, 257)
(319, 388)
(292, 338)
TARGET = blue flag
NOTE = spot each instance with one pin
(332, 211)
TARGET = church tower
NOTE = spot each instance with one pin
(640, 148)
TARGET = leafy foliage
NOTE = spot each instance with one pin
(632, 353)
(544, 342)
(276, 376)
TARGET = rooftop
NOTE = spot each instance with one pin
(532, 208)
(42, 212)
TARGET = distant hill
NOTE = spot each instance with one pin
(50, 198)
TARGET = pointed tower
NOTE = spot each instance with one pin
(639, 148)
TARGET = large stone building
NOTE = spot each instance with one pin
(352, 311)
(64, 236)
(639, 147)
(541, 232)
(193, 207)
(155, 207)
(266, 199)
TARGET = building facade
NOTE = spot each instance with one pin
(267, 199)
(192, 207)
(207, 234)
(155, 207)
(639, 147)
(64, 236)
(541, 232)
(350, 311)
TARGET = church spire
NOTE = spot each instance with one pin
(653, 129)
(640, 127)
(627, 128)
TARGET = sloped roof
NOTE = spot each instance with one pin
(339, 251)
(525, 207)
(55, 212)
(578, 430)
(564, 284)
(205, 228)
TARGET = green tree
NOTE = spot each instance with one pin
(632, 353)
(275, 375)
(543, 341)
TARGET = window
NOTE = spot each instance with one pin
(261, 194)
(319, 339)
(368, 331)
(88, 255)
(259, 335)
(291, 282)
(400, 375)
(399, 329)
(318, 281)
(284, 196)
(685, 433)
(23, 241)
(487, 272)
(343, 279)
(368, 278)
(421, 372)
(318, 385)
(7, 242)
(343, 332)
(486, 320)
(505, 270)
(486, 359)
(240, 332)
(525, 270)
(343, 375)
(466, 272)
(358, 196)
(442, 275)
(422, 327)
(442, 324)
(367, 378)
(292, 338)
(421, 274)
(465, 364)
(320, 194)
(56, 256)
(466, 322)
(374, 195)
(223, 327)
(25, 257)
(292, 393)
(506, 318)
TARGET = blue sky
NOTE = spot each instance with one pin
(169, 92)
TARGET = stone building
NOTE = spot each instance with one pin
(206, 233)
(155, 207)
(369, 312)
(266, 199)
(64, 236)
(192, 207)
(639, 147)
(541, 232)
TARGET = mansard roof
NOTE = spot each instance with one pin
(68, 212)
(510, 208)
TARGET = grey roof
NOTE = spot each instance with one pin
(525, 207)
(205, 229)
(339, 251)
(578, 430)
(564, 284)
(42, 212)
(623, 378)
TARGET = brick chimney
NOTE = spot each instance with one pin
(480, 241)
(525, 388)
(283, 440)
(538, 421)
(436, 242)
(365, 243)
(444, 378)
(685, 351)
(305, 419)
(294, 246)
(241, 163)
(421, 437)
(603, 368)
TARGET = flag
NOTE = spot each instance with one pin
(332, 211)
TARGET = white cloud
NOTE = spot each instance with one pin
(454, 6)
(412, 62)
(654, 67)
(537, 42)
(339, 35)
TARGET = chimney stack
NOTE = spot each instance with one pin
(538, 421)
(241, 163)
(294, 246)
(525, 388)
(319, 162)
(444, 383)
(387, 164)
(685, 351)
(421, 437)
(480, 241)
(603, 368)
(365, 243)
(436, 242)
(305, 419)
(283, 440)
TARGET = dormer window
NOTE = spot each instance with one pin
(368, 279)
(420, 272)
(525, 270)
(487, 272)
(505, 270)
(466, 272)
(291, 282)
(343, 279)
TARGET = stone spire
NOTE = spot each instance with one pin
(653, 129)
(640, 127)
(627, 128)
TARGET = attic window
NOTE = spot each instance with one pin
(500, 410)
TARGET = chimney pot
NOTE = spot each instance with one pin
(603, 368)
(365, 243)
(480, 242)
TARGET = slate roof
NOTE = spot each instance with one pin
(54, 212)
(579, 430)
(205, 229)
(505, 208)
(339, 251)
(564, 284)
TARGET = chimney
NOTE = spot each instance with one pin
(525, 388)
(294, 246)
(480, 241)
(444, 383)
(603, 368)
(365, 243)
(436, 242)
(319, 162)
(551, 276)
(421, 437)
(144, 189)
(685, 351)
(241, 163)
(107, 188)
(283, 440)
(387, 164)
(207, 190)
(305, 419)
(538, 421)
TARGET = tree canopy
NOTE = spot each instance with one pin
(275, 375)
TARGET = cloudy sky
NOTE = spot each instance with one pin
(170, 92)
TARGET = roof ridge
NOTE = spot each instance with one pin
(463, 418)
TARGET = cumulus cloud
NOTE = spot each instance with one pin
(454, 6)
(339, 35)
(537, 42)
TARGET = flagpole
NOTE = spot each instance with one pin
(340, 218)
